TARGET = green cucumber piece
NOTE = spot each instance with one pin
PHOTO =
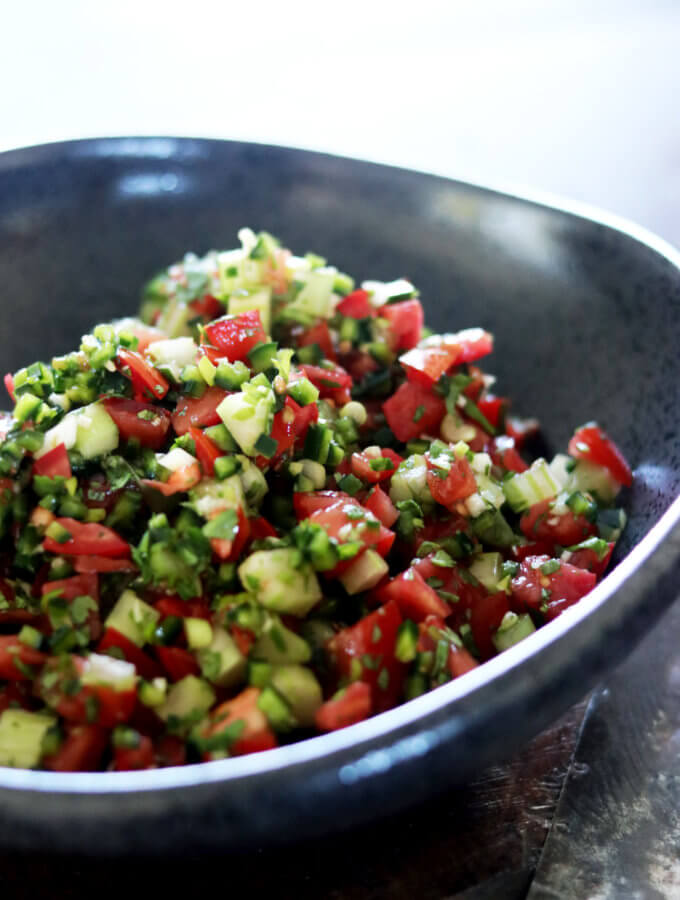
(187, 701)
(300, 688)
(280, 581)
(278, 644)
(221, 662)
(133, 618)
(364, 573)
(21, 737)
(512, 630)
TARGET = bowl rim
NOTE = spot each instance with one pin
(406, 724)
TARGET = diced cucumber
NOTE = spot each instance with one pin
(153, 693)
(492, 528)
(530, 487)
(300, 688)
(277, 709)
(383, 292)
(221, 662)
(490, 490)
(174, 354)
(316, 296)
(262, 356)
(198, 632)
(90, 430)
(211, 496)
(610, 523)
(409, 482)
(174, 318)
(187, 700)
(175, 459)
(21, 737)
(247, 415)
(131, 617)
(260, 300)
(280, 581)
(488, 569)
(364, 573)
(278, 644)
(588, 476)
(253, 482)
(512, 630)
(106, 670)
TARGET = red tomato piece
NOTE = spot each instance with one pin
(460, 661)
(359, 364)
(470, 344)
(406, 322)
(521, 430)
(243, 638)
(592, 443)
(261, 528)
(200, 412)
(493, 409)
(89, 564)
(256, 735)
(306, 503)
(236, 336)
(12, 650)
(129, 759)
(379, 503)
(504, 454)
(87, 539)
(145, 666)
(231, 549)
(356, 305)
(414, 597)
(458, 484)
(426, 365)
(180, 481)
(206, 451)
(352, 706)
(170, 751)
(9, 386)
(80, 751)
(586, 558)
(320, 335)
(413, 410)
(143, 422)
(550, 593)
(103, 703)
(84, 585)
(333, 383)
(147, 381)
(304, 417)
(207, 306)
(55, 463)
(539, 523)
(334, 519)
(362, 468)
(177, 662)
(145, 334)
(486, 616)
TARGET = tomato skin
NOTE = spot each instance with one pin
(333, 383)
(352, 707)
(125, 412)
(402, 407)
(80, 751)
(206, 451)
(207, 306)
(567, 585)
(83, 585)
(145, 666)
(414, 597)
(306, 503)
(592, 443)
(493, 409)
(426, 365)
(9, 386)
(169, 751)
(356, 305)
(11, 649)
(177, 662)
(111, 707)
(588, 559)
(256, 735)
(318, 334)
(333, 518)
(458, 484)
(304, 417)
(486, 616)
(521, 430)
(373, 636)
(54, 463)
(460, 661)
(504, 454)
(129, 759)
(86, 565)
(379, 503)
(261, 528)
(200, 412)
(147, 381)
(87, 539)
(406, 320)
(226, 549)
(539, 524)
(470, 344)
(236, 336)
(174, 606)
(361, 466)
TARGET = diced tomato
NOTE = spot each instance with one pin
(504, 454)
(13, 651)
(333, 519)
(406, 322)
(243, 638)
(534, 548)
(356, 305)
(307, 502)
(87, 539)
(177, 662)
(231, 549)
(9, 386)
(128, 759)
(493, 409)
(368, 647)
(145, 666)
(198, 411)
(460, 661)
(145, 334)
(379, 503)
(98, 494)
(147, 381)
(550, 592)
(304, 417)
(84, 585)
(236, 336)
(521, 430)
(361, 465)
(540, 523)
(458, 484)
(180, 481)
(437, 530)
(17, 695)
(283, 432)
(55, 463)
(352, 706)
(256, 734)
(587, 558)
(88, 564)
(358, 363)
(334, 383)
(140, 421)
(485, 618)
(170, 751)
(413, 410)
(591, 443)
(260, 528)
(470, 344)
(80, 751)
(414, 597)
(426, 365)
(207, 307)
(174, 606)
(103, 703)
(320, 335)
(206, 451)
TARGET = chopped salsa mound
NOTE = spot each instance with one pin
(272, 505)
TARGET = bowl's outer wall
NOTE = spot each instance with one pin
(586, 321)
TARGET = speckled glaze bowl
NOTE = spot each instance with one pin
(586, 313)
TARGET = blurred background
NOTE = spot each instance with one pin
(577, 97)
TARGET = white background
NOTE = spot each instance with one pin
(579, 98)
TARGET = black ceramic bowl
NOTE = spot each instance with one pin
(587, 321)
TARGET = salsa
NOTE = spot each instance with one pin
(273, 505)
